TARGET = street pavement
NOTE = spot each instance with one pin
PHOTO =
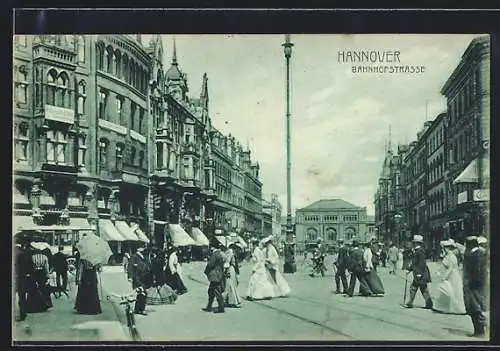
(311, 312)
(62, 323)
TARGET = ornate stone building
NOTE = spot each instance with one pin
(331, 220)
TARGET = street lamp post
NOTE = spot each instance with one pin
(289, 266)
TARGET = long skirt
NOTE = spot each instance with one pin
(231, 297)
(259, 286)
(450, 299)
(38, 297)
(87, 297)
(175, 282)
(280, 285)
(160, 295)
(374, 283)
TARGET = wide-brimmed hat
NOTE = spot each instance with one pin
(447, 243)
(481, 240)
(418, 239)
(266, 239)
(471, 238)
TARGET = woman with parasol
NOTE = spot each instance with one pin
(94, 252)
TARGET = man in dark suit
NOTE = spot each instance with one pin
(474, 270)
(22, 270)
(215, 274)
(140, 270)
(60, 266)
(421, 274)
(355, 266)
(341, 264)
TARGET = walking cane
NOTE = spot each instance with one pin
(406, 287)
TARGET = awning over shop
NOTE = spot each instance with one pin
(126, 231)
(20, 198)
(236, 239)
(469, 174)
(53, 228)
(179, 236)
(224, 240)
(22, 222)
(142, 236)
(200, 238)
(108, 231)
(80, 222)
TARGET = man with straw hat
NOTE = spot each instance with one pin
(474, 270)
(421, 274)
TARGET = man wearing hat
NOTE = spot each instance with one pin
(341, 264)
(474, 279)
(355, 266)
(421, 274)
(215, 274)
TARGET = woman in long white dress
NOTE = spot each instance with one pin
(232, 299)
(281, 287)
(259, 286)
(451, 297)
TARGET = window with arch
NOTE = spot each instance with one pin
(125, 68)
(80, 102)
(51, 87)
(22, 85)
(100, 56)
(331, 234)
(81, 48)
(119, 155)
(103, 152)
(118, 63)
(350, 233)
(312, 234)
(22, 142)
(132, 155)
(56, 146)
(62, 90)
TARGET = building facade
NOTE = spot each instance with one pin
(445, 172)
(272, 217)
(80, 127)
(106, 137)
(467, 92)
(332, 220)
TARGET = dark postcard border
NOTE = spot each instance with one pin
(172, 21)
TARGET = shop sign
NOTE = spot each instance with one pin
(481, 195)
(462, 197)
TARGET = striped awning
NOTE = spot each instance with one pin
(80, 222)
(21, 222)
(179, 236)
(200, 238)
(224, 240)
(142, 236)
(236, 239)
(469, 174)
(108, 231)
(126, 231)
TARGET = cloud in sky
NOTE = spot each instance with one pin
(340, 119)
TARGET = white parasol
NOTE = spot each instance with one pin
(94, 249)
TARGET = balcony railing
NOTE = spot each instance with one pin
(59, 54)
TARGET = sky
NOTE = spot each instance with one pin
(339, 119)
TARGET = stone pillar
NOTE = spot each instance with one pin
(91, 202)
(35, 196)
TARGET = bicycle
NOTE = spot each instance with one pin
(127, 301)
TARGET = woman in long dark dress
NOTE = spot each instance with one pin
(87, 298)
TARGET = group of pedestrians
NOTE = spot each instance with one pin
(222, 270)
(156, 276)
(459, 293)
(359, 260)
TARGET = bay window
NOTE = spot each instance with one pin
(82, 150)
(56, 146)
(22, 142)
